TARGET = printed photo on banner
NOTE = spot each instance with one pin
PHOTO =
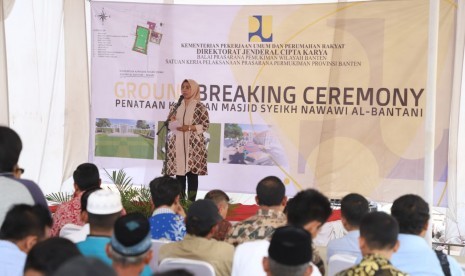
(252, 145)
(124, 138)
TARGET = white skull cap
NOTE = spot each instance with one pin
(104, 202)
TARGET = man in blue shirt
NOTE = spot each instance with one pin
(23, 227)
(167, 222)
(103, 208)
(130, 245)
(415, 256)
(353, 208)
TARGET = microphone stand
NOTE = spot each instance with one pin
(165, 125)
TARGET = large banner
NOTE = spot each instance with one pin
(330, 96)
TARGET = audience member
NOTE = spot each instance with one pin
(85, 176)
(84, 266)
(202, 218)
(14, 189)
(415, 256)
(309, 209)
(378, 241)
(248, 258)
(271, 198)
(353, 208)
(289, 253)
(130, 246)
(103, 208)
(23, 227)
(167, 222)
(174, 272)
(78, 233)
(221, 200)
(48, 255)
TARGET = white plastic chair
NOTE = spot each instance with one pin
(198, 268)
(156, 244)
(340, 262)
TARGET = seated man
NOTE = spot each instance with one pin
(46, 256)
(23, 227)
(353, 208)
(14, 189)
(378, 241)
(86, 176)
(202, 218)
(221, 200)
(271, 199)
(130, 246)
(174, 272)
(167, 222)
(415, 256)
(84, 266)
(104, 208)
(78, 233)
(308, 209)
(289, 253)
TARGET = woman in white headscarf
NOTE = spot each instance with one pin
(187, 152)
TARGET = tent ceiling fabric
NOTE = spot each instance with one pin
(7, 7)
(35, 64)
(77, 103)
(3, 70)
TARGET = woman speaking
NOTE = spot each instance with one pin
(186, 150)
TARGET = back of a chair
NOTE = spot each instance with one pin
(156, 244)
(198, 268)
(340, 262)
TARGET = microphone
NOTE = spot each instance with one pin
(173, 111)
(180, 100)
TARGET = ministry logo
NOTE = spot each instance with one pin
(260, 28)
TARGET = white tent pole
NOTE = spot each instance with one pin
(430, 120)
(455, 216)
(4, 106)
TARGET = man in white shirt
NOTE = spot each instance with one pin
(248, 256)
(308, 209)
(289, 253)
(77, 233)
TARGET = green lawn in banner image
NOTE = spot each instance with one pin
(213, 146)
(129, 147)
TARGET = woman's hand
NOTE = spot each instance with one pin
(185, 128)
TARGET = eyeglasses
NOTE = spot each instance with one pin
(21, 170)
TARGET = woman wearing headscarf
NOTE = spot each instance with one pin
(187, 152)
